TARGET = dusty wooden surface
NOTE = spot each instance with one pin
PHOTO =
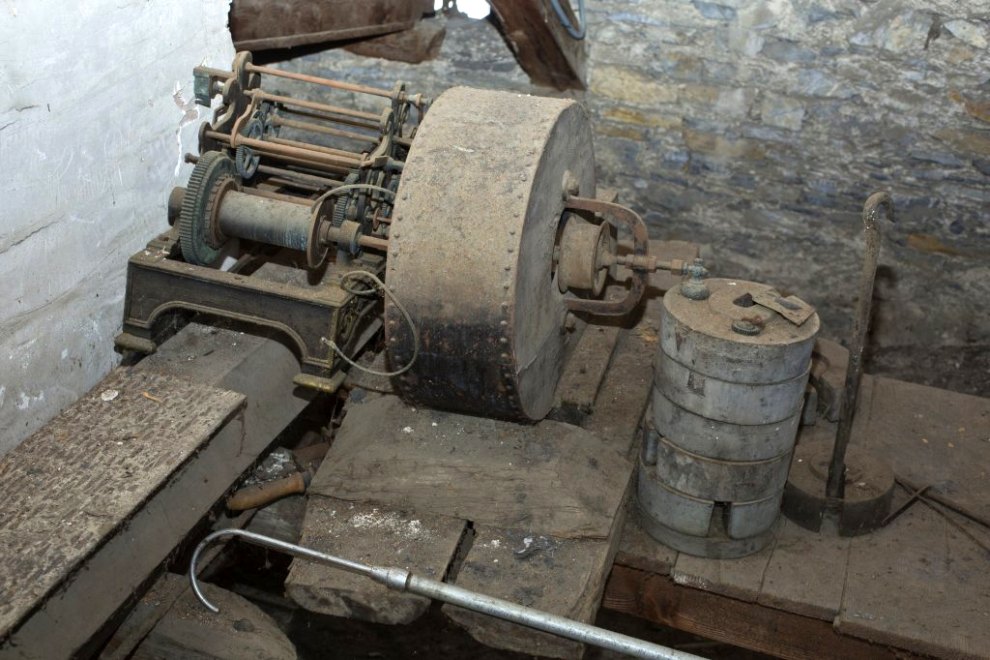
(375, 535)
(573, 590)
(417, 44)
(550, 476)
(118, 570)
(64, 489)
(920, 585)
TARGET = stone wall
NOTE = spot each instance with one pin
(759, 127)
(95, 116)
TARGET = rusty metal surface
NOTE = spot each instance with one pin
(163, 291)
(265, 24)
(471, 240)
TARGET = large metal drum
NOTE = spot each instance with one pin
(471, 250)
(729, 387)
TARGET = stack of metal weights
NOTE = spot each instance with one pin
(728, 394)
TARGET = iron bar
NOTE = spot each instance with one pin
(835, 487)
(326, 130)
(316, 80)
(402, 580)
(313, 105)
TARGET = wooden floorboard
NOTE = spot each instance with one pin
(746, 624)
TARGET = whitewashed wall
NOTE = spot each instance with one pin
(95, 113)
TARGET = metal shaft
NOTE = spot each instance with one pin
(402, 580)
(835, 488)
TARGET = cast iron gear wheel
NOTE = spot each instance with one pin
(195, 233)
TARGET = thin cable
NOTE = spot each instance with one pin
(379, 285)
(575, 32)
(347, 188)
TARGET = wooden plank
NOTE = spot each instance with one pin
(805, 573)
(549, 476)
(637, 549)
(422, 543)
(545, 51)
(583, 374)
(239, 630)
(119, 570)
(71, 484)
(921, 585)
(740, 578)
(625, 393)
(749, 625)
(561, 576)
(263, 24)
(931, 437)
(420, 43)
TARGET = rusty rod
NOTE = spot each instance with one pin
(298, 154)
(373, 243)
(312, 180)
(316, 147)
(313, 105)
(835, 487)
(326, 130)
(316, 80)
(347, 121)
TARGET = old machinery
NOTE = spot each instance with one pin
(484, 212)
(288, 198)
(729, 388)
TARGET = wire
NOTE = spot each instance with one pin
(347, 188)
(379, 285)
(575, 32)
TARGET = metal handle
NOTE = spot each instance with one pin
(835, 488)
(402, 580)
(618, 216)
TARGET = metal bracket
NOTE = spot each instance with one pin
(620, 217)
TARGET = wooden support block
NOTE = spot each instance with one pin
(417, 44)
(545, 51)
(71, 484)
(561, 576)
(553, 477)
(422, 543)
(187, 630)
(108, 576)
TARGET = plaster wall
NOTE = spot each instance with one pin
(96, 111)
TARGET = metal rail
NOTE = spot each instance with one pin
(402, 580)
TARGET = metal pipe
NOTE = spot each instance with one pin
(402, 580)
(836, 485)
(294, 154)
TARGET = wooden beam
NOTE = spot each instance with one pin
(543, 47)
(659, 599)
(414, 45)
